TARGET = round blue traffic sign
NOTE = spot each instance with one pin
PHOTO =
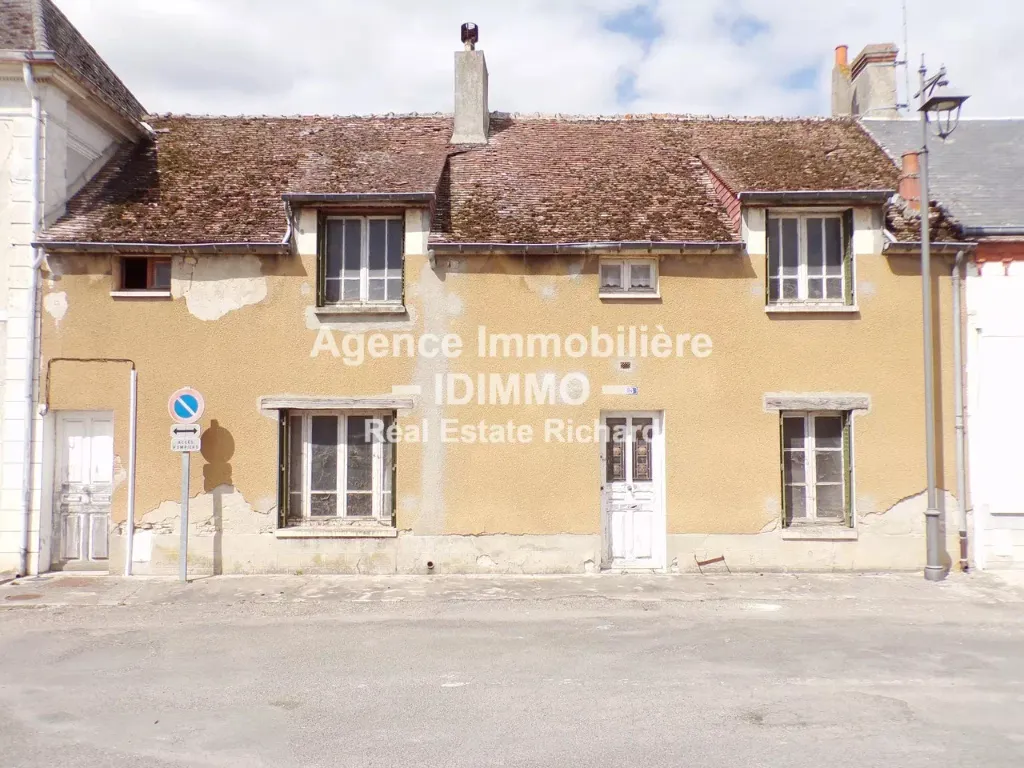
(186, 406)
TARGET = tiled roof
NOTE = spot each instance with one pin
(905, 224)
(220, 180)
(538, 180)
(39, 25)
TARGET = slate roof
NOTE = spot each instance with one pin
(977, 173)
(539, 180)
(39, 25)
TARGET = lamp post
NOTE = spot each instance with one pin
(935, 98)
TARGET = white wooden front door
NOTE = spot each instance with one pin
(633, 518)
(83, 487)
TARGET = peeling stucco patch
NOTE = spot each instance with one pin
(223, 510)
(213, 286)
(56, 305)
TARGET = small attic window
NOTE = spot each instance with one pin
(142, 273)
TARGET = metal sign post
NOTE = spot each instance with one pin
(186, 407)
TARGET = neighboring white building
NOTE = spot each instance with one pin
(54, 88)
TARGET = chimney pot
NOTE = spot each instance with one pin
(842, 56)
(910, 180)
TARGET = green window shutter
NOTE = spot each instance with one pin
(848, 467)
(848, 255)
(282, 468)
(767, 261)
(782, 471)
(321, 259)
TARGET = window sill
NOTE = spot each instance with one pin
(822, 308)
(631, 296)
(140, 294)
(336, 532)
(361, 309)
(814, 532)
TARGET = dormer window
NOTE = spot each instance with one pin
(810, 258)
(361, 260)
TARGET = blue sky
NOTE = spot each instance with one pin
(721, 57)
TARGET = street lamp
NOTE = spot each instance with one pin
(936, 99)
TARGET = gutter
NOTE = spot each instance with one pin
(33, 307)
(914, 247)
(1014, 230)
(616, 246)
(263, 249)
(876, 196)
(349, 198)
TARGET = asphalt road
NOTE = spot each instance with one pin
(543, 674)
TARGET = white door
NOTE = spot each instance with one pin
(83, 486)
(633, 512)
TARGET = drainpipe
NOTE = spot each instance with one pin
(958, 405)
(33, 290)
(133, 421)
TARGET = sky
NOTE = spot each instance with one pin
(719, 57)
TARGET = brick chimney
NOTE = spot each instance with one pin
(472, 119)
(910, 181)
(868, 87)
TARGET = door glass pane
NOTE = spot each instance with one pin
(611, 276)
(790, 247)
(378, 247)
(643, 437)
(815, 254)
(360, 454)
(615, 451)
(353, 246)
(335, 247)
(833, 246)
(828, 431)
(324, 454)
(641, 276)
(396, 245)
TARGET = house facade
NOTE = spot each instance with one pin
(63, 113)
(976, 174)
(491, 343)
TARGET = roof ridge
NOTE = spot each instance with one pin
(40, 39)
(312, 116)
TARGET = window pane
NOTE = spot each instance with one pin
(387, 459)
(833, 247)
(790, 246)
(394, 289)
(353, 246)
(378, 247)
(396, 244)
(793, 433)
(796, 502)
(359, 505)
(332, 291)
(830, 500)
(335, 247)
(615, 451)
(360, 454)
(295, 454)
(834, 288)
(161, 275)
(134, 274)
(816, 288)
(828, 431)
(323, 505)
(643, 470)
(611, 276)
(789, 288)
(773, 290)
(815, 256)
(378, 289)
(324, 453)
(773, 246)
(641, 276)
(793, 467)
(351, 292)
(828, 466)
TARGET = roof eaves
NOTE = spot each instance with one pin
(803, 196)
(358, 198)
(909, 247)
(597, 247)
(263, 249)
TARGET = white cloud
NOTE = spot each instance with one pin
(356, 57)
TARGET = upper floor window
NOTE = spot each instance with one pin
(629, 278)
(142, 273)
(361, 259)
(810, 258)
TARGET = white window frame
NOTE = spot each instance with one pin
(364, 262)
(810, 483)
(803, 275)
(626, 292)
(382, 508)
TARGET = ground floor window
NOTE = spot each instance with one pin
(817, 468)
(337, 467)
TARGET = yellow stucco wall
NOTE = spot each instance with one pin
(721, 444)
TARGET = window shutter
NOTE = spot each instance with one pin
(321, 259)
(394, 478)
(782, 471)
(848, 467)
(848, 255)
(282, 468)
(767, 265)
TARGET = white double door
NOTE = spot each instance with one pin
(632, 496)
(82, 487)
